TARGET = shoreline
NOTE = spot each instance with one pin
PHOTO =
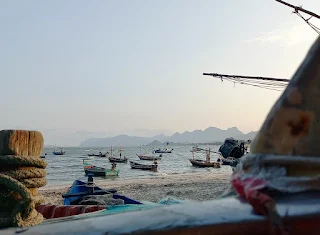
(192, 186)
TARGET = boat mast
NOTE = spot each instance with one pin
(297, 11)
(269, 82)
(262, 82)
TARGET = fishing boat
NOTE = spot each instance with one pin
(100, 154)
(119, 159)
(150, 167)
(164, 150)
(79, 189)
(226, 161)
(200, 162)
(58, 152)
(43, 156)
(260, 202)
(149, 158)
(100, 171)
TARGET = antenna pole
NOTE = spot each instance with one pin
(296, 9)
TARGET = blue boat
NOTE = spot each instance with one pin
(80, 189)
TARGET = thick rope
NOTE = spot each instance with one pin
(18, 175)
(18, 161)
(23, 213)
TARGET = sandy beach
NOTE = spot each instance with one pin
(195, 186)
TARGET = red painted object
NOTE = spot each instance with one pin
(53, 211)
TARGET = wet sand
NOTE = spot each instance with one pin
(195, 186)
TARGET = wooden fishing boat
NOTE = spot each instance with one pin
(200, 162)
(164, 150)
(43, 156)
(99, 171)
(58, 152)
(149, 158)
(118, 160)
(150, 167)
(100, 154)
(79, 189)
(227, 161)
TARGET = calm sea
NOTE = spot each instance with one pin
(65, 169)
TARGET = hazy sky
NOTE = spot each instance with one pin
(116, 66)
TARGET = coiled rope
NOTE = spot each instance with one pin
(21, 176)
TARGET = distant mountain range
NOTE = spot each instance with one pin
(209, 135)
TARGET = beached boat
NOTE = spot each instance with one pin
(200, 162)
(100, 171)
(79, 189)
(150, 167)
(149, 158)
(58, 152)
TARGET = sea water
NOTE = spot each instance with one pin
(65, 169)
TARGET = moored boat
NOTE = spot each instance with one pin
(149, 158)
(58, 152)
(100, 154)
(200, 162)
(119, 159)
(150, 167)
(100, 171)
(227, 161)
(164, 150)
(43, 156)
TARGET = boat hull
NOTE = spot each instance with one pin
(118, 160)
(148, 158)
(139, 166)
(231, 216)
(99, 171)
(201, 163)
(81, 187)
(97, 155)
(58, 153)
(162, 151)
